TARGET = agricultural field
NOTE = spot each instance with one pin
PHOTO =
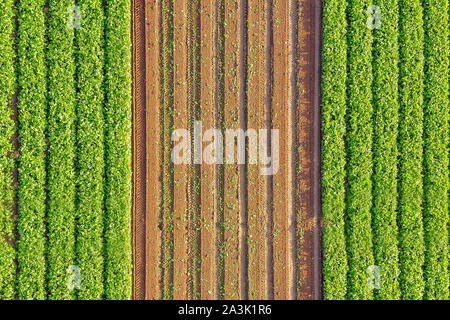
(385, 178)
(65, 150)
(224, 150)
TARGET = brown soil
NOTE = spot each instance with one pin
(181, 172)
(257, 183)
(232, 190)
(153, 288)
(281, 112)
(208, 172)
(309, 142)
(230, 232)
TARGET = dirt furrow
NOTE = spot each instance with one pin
(153, 289)
(139, 150)
(194, 197)
(257, 119)
(167, 174)
(305, 139)
(208, 171)
(282, 180)
(232, 192)
(181, 170)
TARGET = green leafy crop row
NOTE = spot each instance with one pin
(436, 127)
(411, 149)
(61, 155)
(90, 149)
(118, 150)
(7, 162)
(334, 57)
(385, 152)
(359, 141)
(32, 107)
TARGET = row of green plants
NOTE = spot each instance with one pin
(359, 151)
(7, 162)
(32, 107)
(118, 284)
(411, 242)
(74, 163)
(61, 152)
(89, 39)
(334, 109)
(436, 128)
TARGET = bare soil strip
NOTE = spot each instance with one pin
(208, 172)
(282, 180)
(194, 200)
(153, 288)
(181, 172)
(139, 150)
(232, 192)
(257, 118)
(265, 241)
(305, 137)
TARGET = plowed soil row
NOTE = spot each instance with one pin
(226, 230)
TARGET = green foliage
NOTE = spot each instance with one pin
(359, 140)
(89, 40)
(7, 270)
(7, 162)
(61, 137)
(411, 150)
(118, 150)
(385, 152)
(436, 117)
(334, 57)
(33, 146)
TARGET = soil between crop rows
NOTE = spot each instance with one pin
(225, 231)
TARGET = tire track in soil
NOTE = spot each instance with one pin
(139, 148)
(308, 156)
